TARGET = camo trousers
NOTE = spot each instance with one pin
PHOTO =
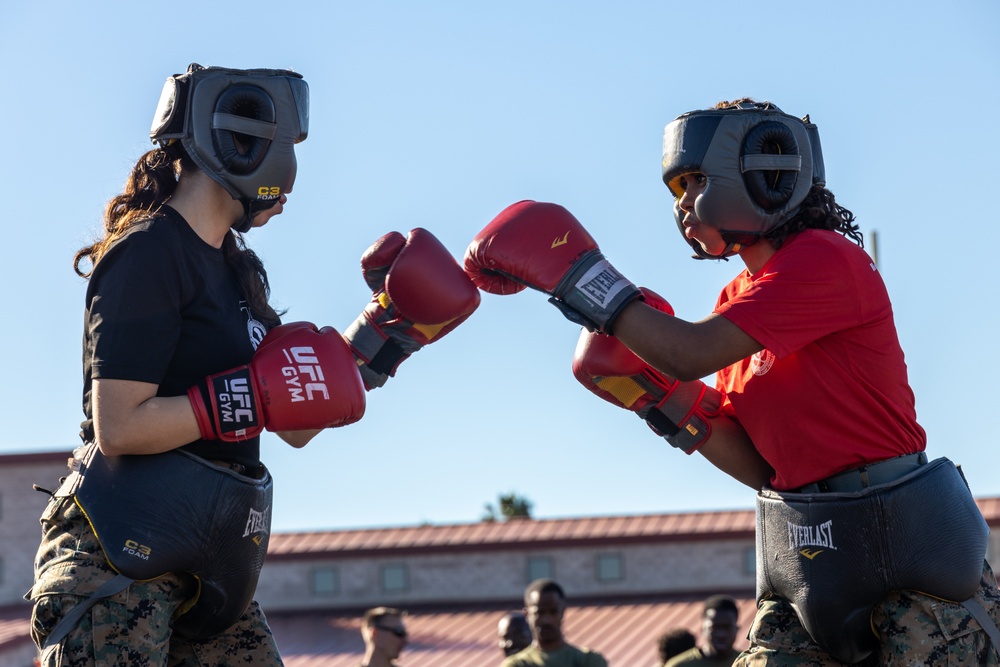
(913, 629)
(134, 627)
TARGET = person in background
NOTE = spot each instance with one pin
(385, 636)
(545, 607)
(719, 625)
(513, 632)
(674, 642)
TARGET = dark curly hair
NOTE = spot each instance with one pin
(819, 210)
(152, 181)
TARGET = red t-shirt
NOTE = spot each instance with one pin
(829, 391)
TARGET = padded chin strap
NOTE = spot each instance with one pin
(244, 224)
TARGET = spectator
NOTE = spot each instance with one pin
(674, 642)
(718, 633)
(513, 633)
(385, 636)
(544, 606)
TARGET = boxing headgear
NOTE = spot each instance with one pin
(239, 126)
(760, 165)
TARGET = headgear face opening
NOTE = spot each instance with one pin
(759, 163)
(239, 126)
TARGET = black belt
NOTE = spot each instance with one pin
(867, 475)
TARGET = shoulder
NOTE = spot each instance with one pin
(688, 656)
(148, 237)
(816, 248)
(520, 659)
(592, 657)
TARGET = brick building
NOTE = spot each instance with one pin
(628, 578)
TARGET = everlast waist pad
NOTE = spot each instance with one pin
(835, 556)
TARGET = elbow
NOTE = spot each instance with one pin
(109, 446)
(111, 441)
(689, 372)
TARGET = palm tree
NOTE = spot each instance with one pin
(511, 506)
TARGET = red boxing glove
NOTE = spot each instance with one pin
(299, 378)
(542, 246)
(677, 411)
(419, 294)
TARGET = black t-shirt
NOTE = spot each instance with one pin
(163, 307)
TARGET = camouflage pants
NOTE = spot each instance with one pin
(913, 629)
(134, 627)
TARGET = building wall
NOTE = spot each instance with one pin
(502, 575)
(20, 507)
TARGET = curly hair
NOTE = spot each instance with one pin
(152, 181)
(819, 210)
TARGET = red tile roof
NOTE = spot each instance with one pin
(528, 534)
(14, 625)
(515, 534)
(625, 633)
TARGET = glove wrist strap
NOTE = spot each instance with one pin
(229, 408)
(596, 291)
(378, 356)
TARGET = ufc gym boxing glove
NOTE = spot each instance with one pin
(300, 378)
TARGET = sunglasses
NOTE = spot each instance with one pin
(396, 631)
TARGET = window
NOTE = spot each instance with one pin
(394, 578)
(610, 567)
(750, 561)
(325, 581)
(540, 567)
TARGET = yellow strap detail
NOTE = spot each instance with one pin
(431, 330)
(623, 388)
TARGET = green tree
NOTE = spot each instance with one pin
(509, 506)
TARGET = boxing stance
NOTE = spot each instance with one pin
(814, 408)
(153, 543)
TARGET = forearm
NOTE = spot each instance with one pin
(157, 424)
(730, 450)
(684, 350)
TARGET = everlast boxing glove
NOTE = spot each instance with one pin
(678, 411)
(419, 294)
(542, 246)
(300, 378)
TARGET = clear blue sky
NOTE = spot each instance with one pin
(439, 114)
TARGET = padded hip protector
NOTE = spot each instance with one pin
(835, 556)
(175, 512)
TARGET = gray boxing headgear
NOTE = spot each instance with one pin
(239, 126)
(759, 162)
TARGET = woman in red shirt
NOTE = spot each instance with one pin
(812, 406)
